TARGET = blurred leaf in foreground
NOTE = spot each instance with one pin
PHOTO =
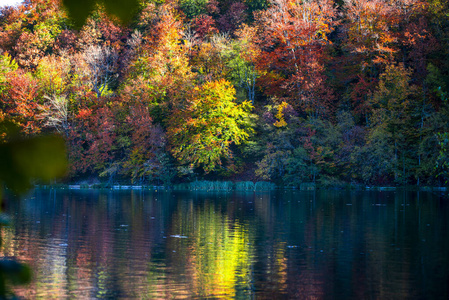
(12, 272)
(25, 159)
(79, 10)
(22, 160)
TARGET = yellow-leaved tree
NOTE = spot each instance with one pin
(202, 131)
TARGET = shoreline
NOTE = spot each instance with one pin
(234, 186)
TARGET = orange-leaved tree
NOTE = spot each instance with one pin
(293, 35)
(158, 73)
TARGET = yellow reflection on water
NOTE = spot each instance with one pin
(218, 252)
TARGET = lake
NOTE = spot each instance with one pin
(101, 244)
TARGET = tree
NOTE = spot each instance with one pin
(292, 36)
(369, 31)
(53, 74)
(209, 61)
(91, 139)
(102, 63)
(370, 36)
(374, 162)
(233, 18)
(243, 55)
(55, 114)
(203, 26)
(295, 149)
(193, 8)
(442, 162)
(145, 155)
(201, 133)
(160, 74)
(392, 121)
(32, 30)
(20, 101)
(7, 66)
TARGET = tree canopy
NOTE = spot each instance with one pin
(285, 90)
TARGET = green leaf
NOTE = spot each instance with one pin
(34, 158)
(79, 10)
(125, 10)
(15, 272)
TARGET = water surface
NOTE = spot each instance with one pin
(92, 244)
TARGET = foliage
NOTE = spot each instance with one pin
(157, 91)
(280, 115)
(7, 65)
(20, 101)
(293, 36)
(442, 163)
(201, 133)
(392, 119)
(193, 8)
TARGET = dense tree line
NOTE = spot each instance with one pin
(289, 91)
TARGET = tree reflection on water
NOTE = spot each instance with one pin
(145, 245)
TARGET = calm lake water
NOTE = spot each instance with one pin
(91, 244)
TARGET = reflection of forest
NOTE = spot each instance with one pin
(88, 245)
(91, 244)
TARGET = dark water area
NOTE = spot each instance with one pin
(93, 244)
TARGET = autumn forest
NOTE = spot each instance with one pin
(287, 91)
